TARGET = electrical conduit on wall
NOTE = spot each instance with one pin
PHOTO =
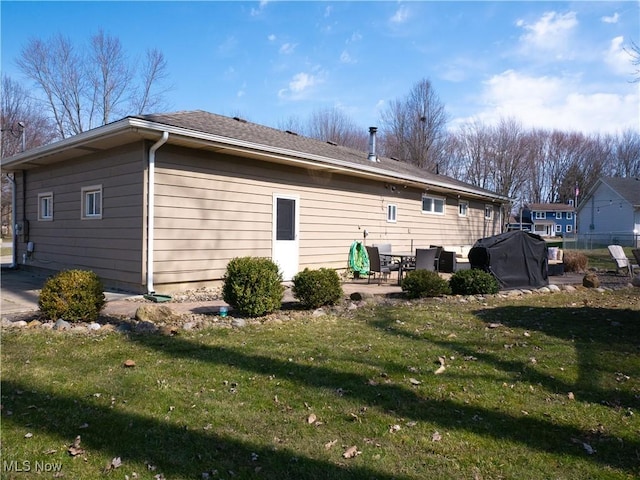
(151, 208)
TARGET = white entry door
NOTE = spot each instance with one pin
(285, 234)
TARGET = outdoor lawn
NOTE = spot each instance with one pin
(542, 386)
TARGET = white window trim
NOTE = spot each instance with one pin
(462, 203)
(392, 213)
(569, 228)
(85, 191)
(433, 212)
(569, 215)
(488, 208)
(41, 216)
(541, 215)
(558, 228)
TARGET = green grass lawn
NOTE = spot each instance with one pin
(535, 387)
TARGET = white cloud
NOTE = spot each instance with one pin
(612, 19)
(261, 6)
(550, 33)
(346, 58)
(401, 15)
(271, 37)
(299, 86)
(556, 103)
(287, 48)
(617, 58)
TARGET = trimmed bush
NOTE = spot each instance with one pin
(473, 282)
(574, 261)
(253, 286)
(424, 283)
(72, 295)
(315, 288)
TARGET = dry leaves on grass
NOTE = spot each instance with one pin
(75, 449)
(442, 367)
(351, 452)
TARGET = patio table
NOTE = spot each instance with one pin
(403, 258)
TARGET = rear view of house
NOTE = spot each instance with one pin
(610, 213)
(161, 202)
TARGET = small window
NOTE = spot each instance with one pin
(569, 228)
(92, 202)
(463, 207)
(569, 215)
(541, 215)
(559, 228)
(45, 206)
(392, 213)
(432, 205)
(488, 212)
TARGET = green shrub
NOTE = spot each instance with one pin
(253, 286)
(315, 288)
(424, 283)
(473, 282)
(574, 261)
(72, 295)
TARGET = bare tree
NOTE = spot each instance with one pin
(634, 53)
(626, 154)
(413, 127)
(332, 125)
(23, 126)
(150, 93)
(85, 89)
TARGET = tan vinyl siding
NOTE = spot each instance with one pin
(211, 208)
(111, 246)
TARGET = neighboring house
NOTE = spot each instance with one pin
(550, 219)
(610, 212)
(163, 202)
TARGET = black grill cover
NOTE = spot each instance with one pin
(517, 259)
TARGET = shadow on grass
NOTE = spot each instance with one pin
(538, 434)
(593, 332)
(174, 450)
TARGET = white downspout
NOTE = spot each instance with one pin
(14, 238)
(151, 208)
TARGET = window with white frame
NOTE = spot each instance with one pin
(45, 206)
(569, 215)
(392, 212)
(559, 228)
(433, 205)
(569, 228)
(92, 202)
(463, 208)
(541, 215)
(558, 214)
(488, 212)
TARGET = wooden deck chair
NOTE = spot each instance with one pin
(620, 259)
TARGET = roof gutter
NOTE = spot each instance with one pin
(151, 190)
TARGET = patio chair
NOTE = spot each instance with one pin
(425, 259)
(620, 259)
(439, 250)
(636, 255)
(386, 259)
(375, 265)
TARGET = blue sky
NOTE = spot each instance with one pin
(548, 64)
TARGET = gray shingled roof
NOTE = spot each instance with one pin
(234, 128)
(628, 188)
(551, 207)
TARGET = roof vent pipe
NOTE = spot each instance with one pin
(372, 144)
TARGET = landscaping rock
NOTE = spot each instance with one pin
(146, 327)
(570, 288)
(554, 288)
(636, 281)
(62, 325)
(238, 323)
(591, 280)
(93, 326)
(156, 314)
(357, 296)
